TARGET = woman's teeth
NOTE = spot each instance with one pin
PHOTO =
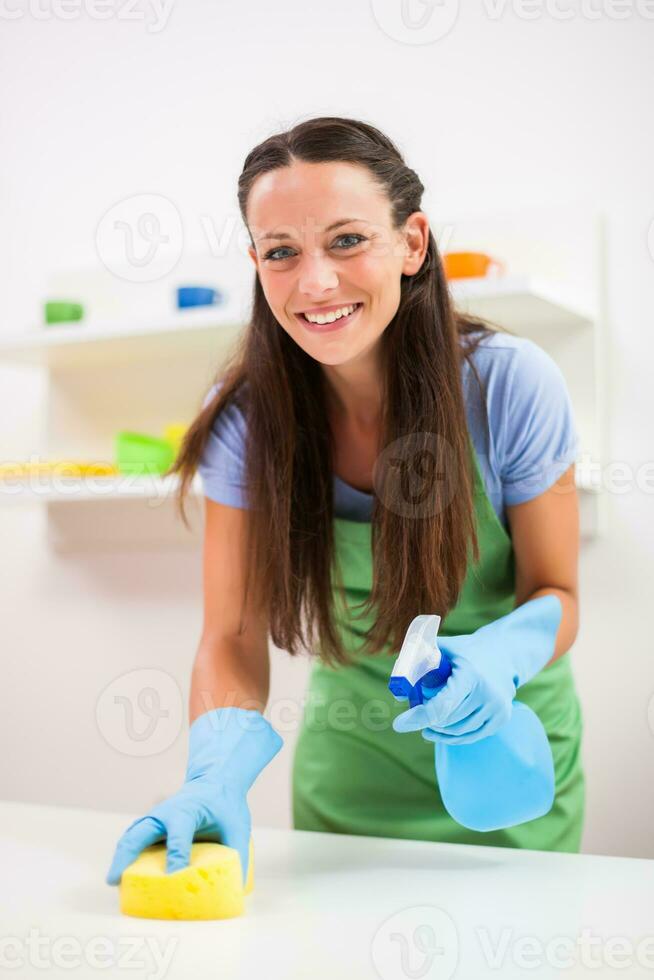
(330, 317)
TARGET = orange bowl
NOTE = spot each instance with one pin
(466, 265)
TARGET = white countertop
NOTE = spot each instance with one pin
(325, 906)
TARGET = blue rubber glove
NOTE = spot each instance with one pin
(488, 666)
(228, 748)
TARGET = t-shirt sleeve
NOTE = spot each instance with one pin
(538, 438)
(222, 463)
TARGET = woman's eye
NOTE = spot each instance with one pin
(271, 255)
(359, 237)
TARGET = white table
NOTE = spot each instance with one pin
(325, 906)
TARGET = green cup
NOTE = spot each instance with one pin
(62, 312)
(142, 454)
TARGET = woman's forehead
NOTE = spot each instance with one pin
(319, 194)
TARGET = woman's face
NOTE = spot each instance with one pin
(303, 266)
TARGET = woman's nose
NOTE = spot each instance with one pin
(316, 274)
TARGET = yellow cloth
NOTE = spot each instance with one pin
(62, 467)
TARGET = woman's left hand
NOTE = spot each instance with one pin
(474, 703)
(488, 666)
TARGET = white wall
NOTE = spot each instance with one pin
(501, 113)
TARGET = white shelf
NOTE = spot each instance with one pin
(522, 304)
(517, 302)
(79, 528)
(202, 332)
(98, 489)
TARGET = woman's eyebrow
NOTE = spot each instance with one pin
(336, 224)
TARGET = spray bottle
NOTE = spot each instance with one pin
(504, 779)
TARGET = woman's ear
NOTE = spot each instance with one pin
(416, 237)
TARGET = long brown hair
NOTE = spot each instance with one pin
(419, 559)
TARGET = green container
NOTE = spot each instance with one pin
(61, 312)
(143, 454)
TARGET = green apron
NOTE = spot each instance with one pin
(353, 774)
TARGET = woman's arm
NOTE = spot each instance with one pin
(545, 536)
(227, 674)
(231, 668)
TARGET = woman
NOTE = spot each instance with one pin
(423, 458)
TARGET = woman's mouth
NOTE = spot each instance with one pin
(328, 327)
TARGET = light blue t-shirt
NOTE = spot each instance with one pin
(533, 438)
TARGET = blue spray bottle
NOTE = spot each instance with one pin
(496, 782)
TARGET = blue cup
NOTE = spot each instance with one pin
(197, 296)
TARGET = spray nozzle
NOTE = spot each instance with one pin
(419, 661)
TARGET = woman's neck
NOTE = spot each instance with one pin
(354, 393)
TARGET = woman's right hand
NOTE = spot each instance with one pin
(212, 809)
(228, 748)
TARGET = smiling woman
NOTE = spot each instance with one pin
(334, 218)
(368, 456)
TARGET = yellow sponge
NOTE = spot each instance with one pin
(211, 887)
